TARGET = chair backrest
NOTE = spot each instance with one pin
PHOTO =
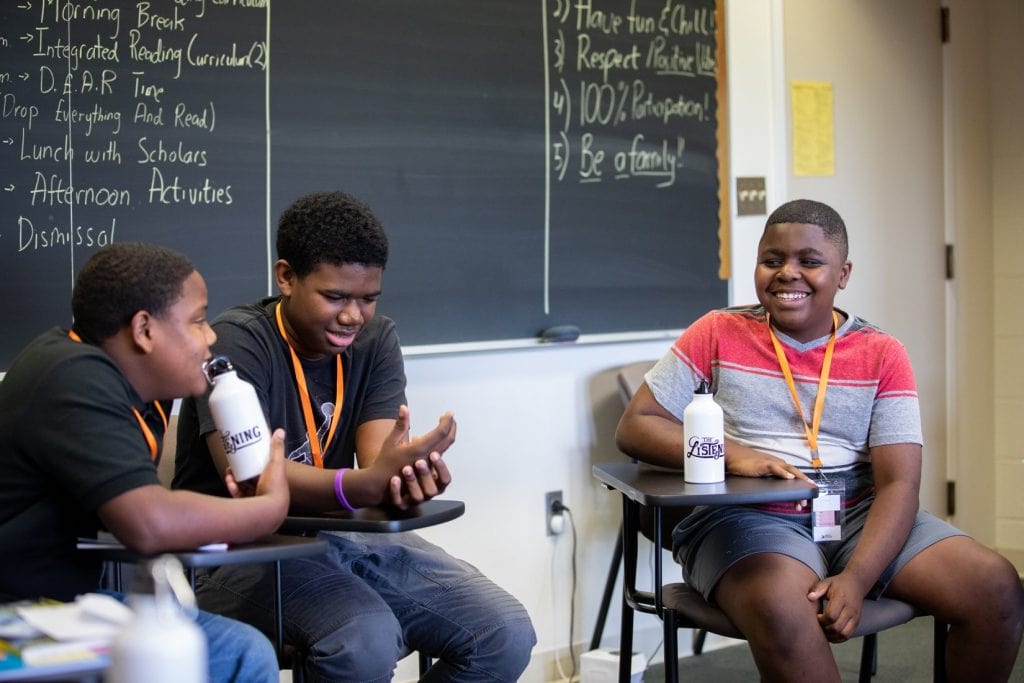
(631, 377)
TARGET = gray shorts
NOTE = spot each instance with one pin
(712, 539)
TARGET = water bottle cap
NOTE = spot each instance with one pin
(704, 388)
(217, 365)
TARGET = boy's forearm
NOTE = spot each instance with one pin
(885, 532)
(312, 488)
(152, 519)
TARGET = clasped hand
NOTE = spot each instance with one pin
(422, 472)
(841, 599)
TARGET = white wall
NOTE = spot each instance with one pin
(532, 421)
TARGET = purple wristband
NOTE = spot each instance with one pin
(339, 493)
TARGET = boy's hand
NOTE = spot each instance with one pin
(399, 451)
(841, 598)
(747, 462)
(415, 466)
(421, 481)
(272, 482)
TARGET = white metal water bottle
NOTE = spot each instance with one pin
(240, 422)
(704, 439)
(162, 644)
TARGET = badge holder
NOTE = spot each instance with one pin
(827, 510)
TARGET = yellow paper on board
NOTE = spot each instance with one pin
(814, 151)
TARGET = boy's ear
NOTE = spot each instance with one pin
(844, 274)
(284, 276)
(141, 327)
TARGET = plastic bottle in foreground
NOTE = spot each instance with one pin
(162, 644)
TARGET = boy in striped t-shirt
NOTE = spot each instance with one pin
(767, 567)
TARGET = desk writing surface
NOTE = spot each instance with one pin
(535, 162)
(268, 549)
(650, 485)
(376, 519)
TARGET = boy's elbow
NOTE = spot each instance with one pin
(142, 539)
(624, 439)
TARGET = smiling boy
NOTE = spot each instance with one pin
(768, 567)
(331, 372)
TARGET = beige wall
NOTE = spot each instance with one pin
(888, 179)
(985, 94)
(1007, 68)
(969, 213)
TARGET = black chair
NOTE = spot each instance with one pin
(650, 497)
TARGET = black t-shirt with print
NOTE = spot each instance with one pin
(374, 384)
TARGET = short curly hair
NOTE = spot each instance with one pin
(814, 213)
(330, 227)
(122, 279)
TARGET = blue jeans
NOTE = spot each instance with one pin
(236, 652)
(358, 609)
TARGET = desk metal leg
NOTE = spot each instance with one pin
(609, 589)
(278, 624)
(629, 515)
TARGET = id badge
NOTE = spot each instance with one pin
(827, 510)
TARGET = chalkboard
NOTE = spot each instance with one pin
(534, 163)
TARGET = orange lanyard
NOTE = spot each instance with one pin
(307, 407)
(146, 431)
(819, 402)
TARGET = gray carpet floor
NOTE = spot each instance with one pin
(904, 656)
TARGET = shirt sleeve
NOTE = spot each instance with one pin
(685, 364)
(896, 414)
(386, 386)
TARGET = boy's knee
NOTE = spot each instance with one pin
(1005, 591)
(506, 648)
(366, 648)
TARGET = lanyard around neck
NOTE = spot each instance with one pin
(146, 431)
(307, 407)
(819, 403)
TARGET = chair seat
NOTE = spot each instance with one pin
(883, 613)
(695, 612)
(694, 609)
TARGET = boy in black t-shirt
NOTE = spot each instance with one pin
(81, 426)
(331, 373)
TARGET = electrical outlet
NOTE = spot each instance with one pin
(553, 519)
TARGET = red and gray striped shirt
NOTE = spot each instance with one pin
(871, 399)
